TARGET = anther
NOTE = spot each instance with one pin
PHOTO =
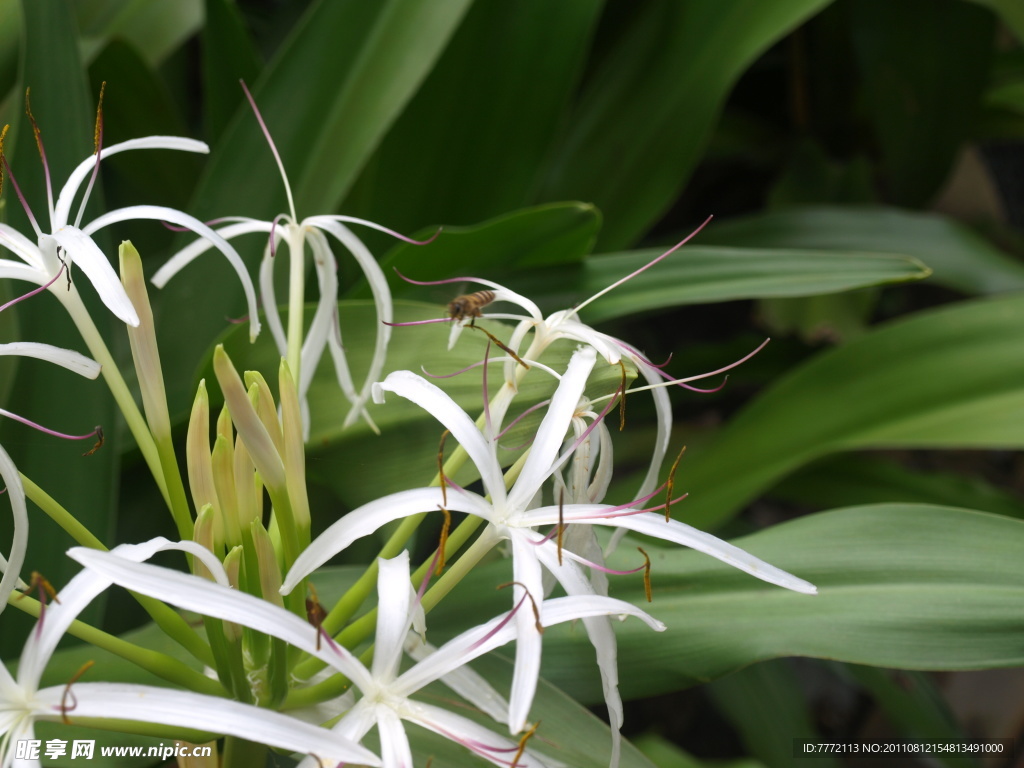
(64, 264)
(522, 743)
(97, 133)
(500, 345)
(670, 484)
(443, 543)
(561, 522)
(647, 574)
(64, 708)
(440, 468)
(3, 135)
(43, 588)
(99, 442)
(315, 613)
(536, 610)
(622, 397)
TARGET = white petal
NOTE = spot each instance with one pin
(15, 270)
(184, 709)
(160, 213)
(62, 209)
(437, 403)
(186, 255)
(393, 617)
(540, 462)
(363, 521)
(269, 298)
(21, 246)
(470, 685)
(394, 744)
(66, 358)
(16, 558)
(197, 594)
(83, 252)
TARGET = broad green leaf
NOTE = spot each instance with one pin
(472, 141)
(856, 479)
(948, 378)
(648, 109)
(765, 705)
(704, 275)
(229, 55)
(906, 586)
(555, 233)
(925, 64)
(959, 258)
(155, 28)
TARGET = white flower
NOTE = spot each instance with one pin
(513, 514)
(11, 565)
(303, 352)
(385, 694)
(65, 242)
(22, 702)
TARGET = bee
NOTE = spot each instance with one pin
(469, 306)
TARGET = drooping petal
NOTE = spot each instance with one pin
(66, 358)
(366, 519)
(161, 213)
(21, 246)
(437, 403)
(16, 557)
(184, 709)
(190, 252)
(83, 252)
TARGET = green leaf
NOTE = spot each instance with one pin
(925, 65)
(472, 141)
(651, 103)
(907, 586)
(551, 234)
(155, 28)
(229, 55)
(947, 378)
(959, 258)
(704, 275)
(1011, 12)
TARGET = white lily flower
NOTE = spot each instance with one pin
(513, 515)
(22, 702)
(68, 242)
(11, 565)
(385, 700)
(303, 352)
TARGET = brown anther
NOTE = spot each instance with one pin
(536, 610)
(561, 523)
(315, 613)
(97, 133)
(35, 126)
(444, 540)
(501, 345)
(99, 442)
(440, 468)
(3, 135)
(622, 397)
(647, 574)
(42, 587)
(64, 266)
(522, 743)
(64, 708)
(670, 484)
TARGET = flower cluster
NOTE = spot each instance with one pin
(286, 671)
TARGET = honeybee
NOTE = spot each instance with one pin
(469, 306)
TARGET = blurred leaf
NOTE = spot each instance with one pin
(704, 275)
(959, 258)
(830, 318)
(229, 55)
(551, 234)
(154, 28)
(472, 141)
(810, 176)
(948, 378)
(914, 587)
(666, 754)
(859, 479)
(768, 710)
(1011, 12)
(925, 66)
(646, 113)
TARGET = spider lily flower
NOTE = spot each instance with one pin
(65, 358)
(304, 352)
(513, 514)
(385, 694)
(67, 242)
(23, 702)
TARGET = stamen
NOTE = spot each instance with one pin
(622, 397)
(487, 396)
(43, 589)
(64, 708)
(3, 135)
(64, 265)
(46, 430)
(501, 346)
(273, 149)
(21, 197)
(671, 482)
(99, 442)
(39, 145)
(273, 232)
(34, 291)
(315, 613)
(97, 143)
(536, 610)
(417, 322)
(443, 540)
(440, 468)
(522, 743)
(561, 521)
(647, 574)
(446, 281)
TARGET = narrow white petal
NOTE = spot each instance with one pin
(62, 209)
(66, 358)
(84, 253)
(15, 270)
(197, 594)
(394, 744)
(393, 616)
(470, 685)
(363, 521)
(16, 557)
(160, 213)
(437, 403)
(190, 252)
(269, 298)
(540, 462)
(21, 246)
(184, 709)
